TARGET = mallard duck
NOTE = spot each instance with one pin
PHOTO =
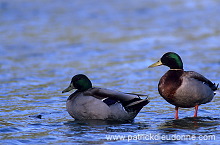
(183, 88)
(89, 102)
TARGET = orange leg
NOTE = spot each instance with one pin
(176, 113)
(196, 110)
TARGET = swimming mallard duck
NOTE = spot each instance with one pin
(183, 88)
(89, 102)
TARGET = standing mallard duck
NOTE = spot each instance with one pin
(183, 88)
(89, 102)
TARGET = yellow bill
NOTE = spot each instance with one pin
(71, 87)
(158, 63)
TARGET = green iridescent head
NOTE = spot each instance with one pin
(80, 82)
(170, 59)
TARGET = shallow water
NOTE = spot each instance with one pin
(44, 43)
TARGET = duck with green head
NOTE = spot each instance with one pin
(89, 102)
(183, 88)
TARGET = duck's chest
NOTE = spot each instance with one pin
(169, 83)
